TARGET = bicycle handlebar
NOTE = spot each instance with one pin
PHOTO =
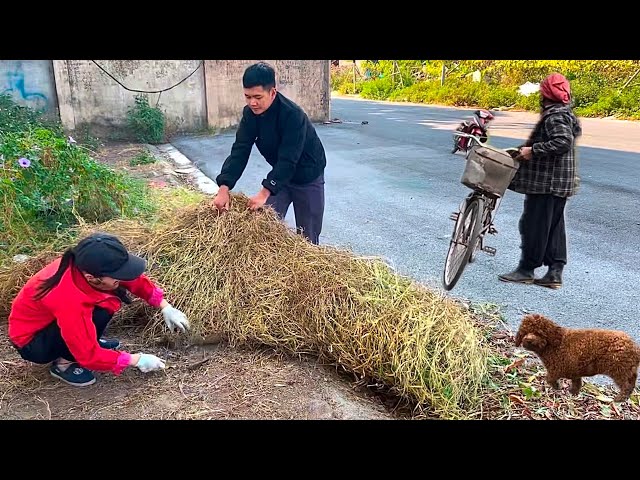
(468, 135)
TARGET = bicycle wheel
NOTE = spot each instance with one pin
(463, 241)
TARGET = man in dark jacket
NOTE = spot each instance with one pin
(548, 177)
(288, 141)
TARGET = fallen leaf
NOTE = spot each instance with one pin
(514, 365)
(605, 411)
(604, 398)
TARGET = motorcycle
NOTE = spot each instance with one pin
(472, 131)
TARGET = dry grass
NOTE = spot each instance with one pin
(13, 277)
(391, 334)
(248, 277)
(251, 278)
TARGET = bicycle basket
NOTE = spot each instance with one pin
(489, 169)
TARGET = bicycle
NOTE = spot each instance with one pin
(476, 214)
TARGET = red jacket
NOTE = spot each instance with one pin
(71, 304)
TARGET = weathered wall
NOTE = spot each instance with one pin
(86, 97)
(100, 103)
(30, 83)
(306, 82)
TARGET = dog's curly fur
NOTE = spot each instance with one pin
(576, 353)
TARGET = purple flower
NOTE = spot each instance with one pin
(24, 162)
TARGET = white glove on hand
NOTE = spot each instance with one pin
(175, 319)
(149, 363)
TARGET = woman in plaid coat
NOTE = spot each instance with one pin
(547, 177)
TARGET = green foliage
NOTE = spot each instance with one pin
(48, 184)
(85, 138)
(142, 158)
(597, 85)
(457, 92)
(378, 89)
(531, 102)
(516, 72)
(16, 118)
(146, 122)
(404, 73)
(342, 80)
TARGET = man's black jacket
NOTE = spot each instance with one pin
(285, 137)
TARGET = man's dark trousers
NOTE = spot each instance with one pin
(308, 206)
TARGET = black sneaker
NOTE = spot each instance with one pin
(109, 343)
(74, 375)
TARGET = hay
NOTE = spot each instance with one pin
(15, 275)
(248, 277)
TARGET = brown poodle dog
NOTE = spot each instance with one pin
(576, 353)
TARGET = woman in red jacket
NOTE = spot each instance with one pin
(61, 312)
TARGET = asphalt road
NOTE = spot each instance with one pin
(392, 183)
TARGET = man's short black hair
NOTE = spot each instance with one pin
(259, 74)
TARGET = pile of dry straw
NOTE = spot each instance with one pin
(247, 276)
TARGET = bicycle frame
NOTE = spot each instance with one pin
(490, 208)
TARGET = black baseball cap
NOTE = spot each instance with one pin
(103, 255)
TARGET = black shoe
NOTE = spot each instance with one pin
(73, 375)
(519, 275)
(552, 279)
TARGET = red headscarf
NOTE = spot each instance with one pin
(556, 87)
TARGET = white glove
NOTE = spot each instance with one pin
(175, 319)
(149, 363)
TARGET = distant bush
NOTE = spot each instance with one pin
(146, 122)
(597, 85)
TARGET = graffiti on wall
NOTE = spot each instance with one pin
(13, 84)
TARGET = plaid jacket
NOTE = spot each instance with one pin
(553, 168)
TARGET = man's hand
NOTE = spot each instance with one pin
(259, 199)
(526, 153)
(222, 200)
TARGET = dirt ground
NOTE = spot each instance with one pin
(219, 382)
(214, 382)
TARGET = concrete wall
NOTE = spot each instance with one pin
(100, 103)
(30, 83)
(306, 82)
(86, 97)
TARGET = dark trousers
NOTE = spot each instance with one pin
(48, 345)
(542, 232)
(308, 205)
